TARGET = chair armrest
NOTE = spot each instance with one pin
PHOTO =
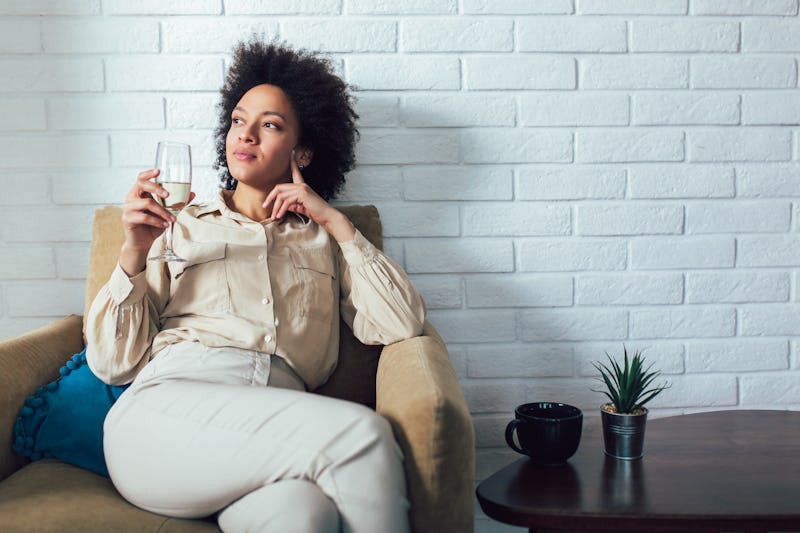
(418, 392)
(26, 363)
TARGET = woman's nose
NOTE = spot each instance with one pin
(246, 135)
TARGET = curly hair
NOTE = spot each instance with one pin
(320, 99)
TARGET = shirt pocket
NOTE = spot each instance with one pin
(199, 284)
(314, 271)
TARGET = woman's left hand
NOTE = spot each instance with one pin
(299, 197)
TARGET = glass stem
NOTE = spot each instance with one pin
(168, 236)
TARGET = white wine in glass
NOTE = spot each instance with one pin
(174, 162)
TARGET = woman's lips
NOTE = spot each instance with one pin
(243, 155)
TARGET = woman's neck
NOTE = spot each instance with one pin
(248, 202)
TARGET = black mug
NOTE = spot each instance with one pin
(548, 433)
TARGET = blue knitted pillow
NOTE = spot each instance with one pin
(64, 419)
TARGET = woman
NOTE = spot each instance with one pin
(222, 348)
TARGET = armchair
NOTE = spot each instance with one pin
(411, 383)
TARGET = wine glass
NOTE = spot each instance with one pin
(174, 161)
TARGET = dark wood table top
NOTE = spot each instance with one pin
(725, 470)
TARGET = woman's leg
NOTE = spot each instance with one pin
(189, 449)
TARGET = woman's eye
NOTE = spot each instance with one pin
(271, 125)
(236, 121)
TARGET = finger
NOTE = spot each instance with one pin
(141, 218)
(297, 176)
(147, 204)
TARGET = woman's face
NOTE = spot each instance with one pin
(264, 131)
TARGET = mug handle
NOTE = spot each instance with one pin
(510, 435)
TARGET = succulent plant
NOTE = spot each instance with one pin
(630, 386)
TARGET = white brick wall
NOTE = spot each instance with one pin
(559, 177)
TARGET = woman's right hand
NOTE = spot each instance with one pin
(143, 221)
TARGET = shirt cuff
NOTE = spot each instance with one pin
(358, 251)
(124, 289)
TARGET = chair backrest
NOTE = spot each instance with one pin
(354, 378)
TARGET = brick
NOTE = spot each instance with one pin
(737, 287)
(524, 71)
(12, 327)
(631, 7)
(42, 75)
(457, 183)
(740, 144)
(428, 219)
(569, 255)
(677, 35)
(493, 396)
(744, 7)
(345, 35)
(35, 192)
(628, 145)
(164, 73)
(93, 186)
(767, 181)
(770, 35)
(459, 255)
(738, 217)
(572, 34)
(51, 7)
(46, 298)
(377, 110)
(633, 72)
(462, 34)
(402, 7)
(681, 181)
(645, 219)
(683, 322)
(518, 290)
(685, 108)
(394, 249)
(165, 7)
(573, 325)
(572, 391)
(475, 325)
(72, 262)
(519, 361)
(667, 356)
(56, 224)
(62, 151)
(771, 108)
(138, 150)
(192, 111)
(516, 7)
(768, 251)
(517, 218)
(574, 109)
(698, 391)
(770, 389)
(761, 72)
(458, 111)
(570, 183)
(107, 113)
(20, 36)
(683, 252)
(737, 356)
(515, 145)
(628, 289)
(22, 114)
(393, 148)
(180, 35)
(388, 72)
(489, 432)
(100, 36)
(371, 183)
(27, 263)
(770, 319)
(439, 291)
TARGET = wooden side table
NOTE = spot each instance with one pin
(719, 471)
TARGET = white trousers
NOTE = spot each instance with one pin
(218, 430)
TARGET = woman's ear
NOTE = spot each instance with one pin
(303, 156)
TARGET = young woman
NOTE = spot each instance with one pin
(222, 348)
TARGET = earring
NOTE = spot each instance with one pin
(301, 166)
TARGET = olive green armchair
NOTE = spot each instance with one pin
(411, 383)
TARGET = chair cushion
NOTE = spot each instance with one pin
(64, 419)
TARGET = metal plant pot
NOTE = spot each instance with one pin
(623, 434)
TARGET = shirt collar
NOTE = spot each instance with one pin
(218, 204)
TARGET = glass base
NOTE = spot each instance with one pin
(167, 256)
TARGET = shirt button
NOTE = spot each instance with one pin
(268, 338)
(277, 321)
(264, 301)
(261, 257)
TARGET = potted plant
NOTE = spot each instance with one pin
(629, 387)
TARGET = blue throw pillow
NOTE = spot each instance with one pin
(64, 419)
